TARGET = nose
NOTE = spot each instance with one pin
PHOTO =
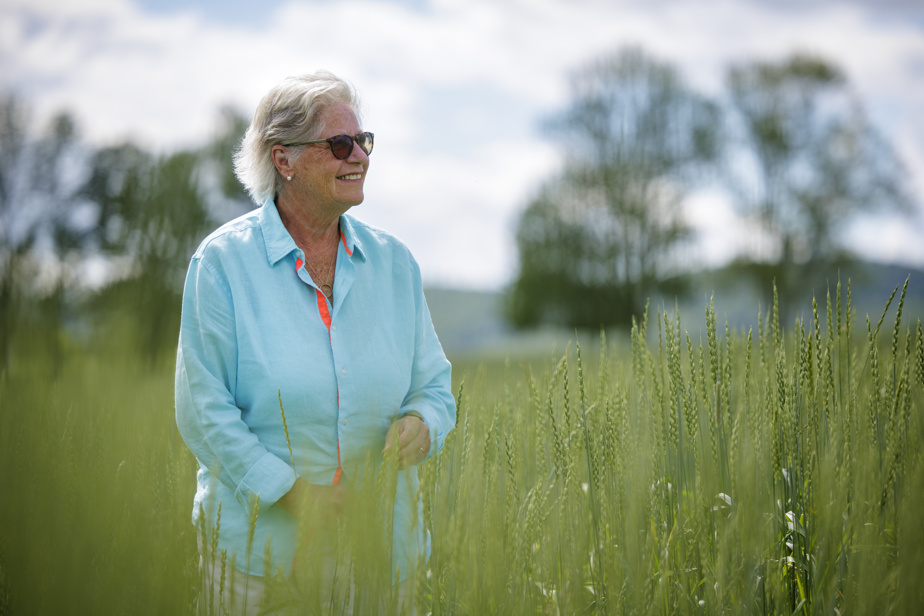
(360, 140)
(358, 155)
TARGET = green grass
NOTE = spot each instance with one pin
(758, 472)
(97, 489)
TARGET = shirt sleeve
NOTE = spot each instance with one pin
(207, 417)
(430, 393)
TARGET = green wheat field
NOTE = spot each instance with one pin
(774, 470)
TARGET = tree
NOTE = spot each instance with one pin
(40, 218)
(62, 201)
(218, 159)
(601, 235)
(152, 214)
(809, 163)
(12, 144)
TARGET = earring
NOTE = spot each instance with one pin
(288, 178)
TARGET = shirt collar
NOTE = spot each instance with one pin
(351, 242)
(279, 244)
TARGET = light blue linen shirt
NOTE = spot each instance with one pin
(256, 327)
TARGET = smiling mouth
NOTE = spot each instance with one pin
(351, 176)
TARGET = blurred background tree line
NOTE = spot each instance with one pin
(71, 213)
(789, 140)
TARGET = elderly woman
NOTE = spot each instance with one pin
(301, 306)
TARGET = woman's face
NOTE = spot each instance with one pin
(322, 179)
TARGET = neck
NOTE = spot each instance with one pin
(312, 233)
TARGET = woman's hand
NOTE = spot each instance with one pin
(327, 498)
(411, 437)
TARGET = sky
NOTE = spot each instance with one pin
(455, 92)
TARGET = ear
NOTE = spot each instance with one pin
(282, 160)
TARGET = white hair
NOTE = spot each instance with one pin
(290, 112)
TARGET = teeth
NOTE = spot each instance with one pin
(352, 176)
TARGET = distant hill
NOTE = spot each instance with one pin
(471, 323)
(466, 320)
(738, 299)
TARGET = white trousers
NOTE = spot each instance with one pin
(331, 590)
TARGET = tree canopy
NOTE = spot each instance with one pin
(806, 162)
(603, 233)
(792, 143)
(64, 203)
(811, 157)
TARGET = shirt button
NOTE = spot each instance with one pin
(344, 422)
(333, 328)
(343, 371)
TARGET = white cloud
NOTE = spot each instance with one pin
(723, 234)
(453, 89)
(457, 214)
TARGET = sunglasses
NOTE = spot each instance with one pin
(341, 146)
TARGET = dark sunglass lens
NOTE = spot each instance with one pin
(365, 142)
(341, 146)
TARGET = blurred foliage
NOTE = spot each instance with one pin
(791, 142)
(40, 224)
(97, 484)
(793, 146)
(806, 162)
(231, 128)
(64, 204)
(155, 211)
(599, 237)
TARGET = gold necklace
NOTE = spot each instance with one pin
(325, 284)
(327, 288)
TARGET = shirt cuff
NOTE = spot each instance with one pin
(269, 479)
